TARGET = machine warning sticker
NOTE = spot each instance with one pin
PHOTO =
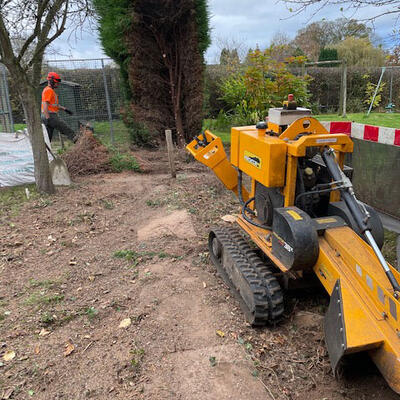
(285, 245)
(251, 158)
(326, 220)
(333, 140)
(295, 215)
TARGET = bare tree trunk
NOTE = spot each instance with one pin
(178, 107)
(179, 126)
(40, 159)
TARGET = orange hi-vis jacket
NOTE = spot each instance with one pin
(50, 96)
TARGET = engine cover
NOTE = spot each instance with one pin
(294, 238)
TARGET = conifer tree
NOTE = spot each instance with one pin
(160, 47)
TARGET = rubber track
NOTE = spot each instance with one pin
(267, 303)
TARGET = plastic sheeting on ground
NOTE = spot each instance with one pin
(16, 158)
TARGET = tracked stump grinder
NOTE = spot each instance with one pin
(300, 211)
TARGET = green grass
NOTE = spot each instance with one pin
(19, 127)
(102, 131)
(127, 254)
(123, 162)
(42, 299)
(91, 313)
(12, 198)
(223, 133)
(389, 120)
(121, 133)
(46, 284)
(389, 247)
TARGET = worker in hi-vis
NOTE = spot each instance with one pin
(50, 108)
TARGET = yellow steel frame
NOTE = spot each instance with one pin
(214, 157)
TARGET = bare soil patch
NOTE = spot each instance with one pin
(134, 246)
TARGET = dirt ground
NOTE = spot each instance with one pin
(107, 292)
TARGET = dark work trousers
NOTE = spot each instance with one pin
(54, 122)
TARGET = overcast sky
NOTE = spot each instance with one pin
(247, 23)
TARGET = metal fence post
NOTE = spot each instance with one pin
(7, 95)
(108, 102)
(376, 91)
(344, 88)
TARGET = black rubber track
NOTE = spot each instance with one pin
(248, 277)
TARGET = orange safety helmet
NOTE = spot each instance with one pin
(54, 79)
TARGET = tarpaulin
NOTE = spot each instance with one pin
(16, 158)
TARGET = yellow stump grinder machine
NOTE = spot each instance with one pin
(300, 210)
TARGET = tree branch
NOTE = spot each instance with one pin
(302, 5)
(43, 41)
(40, 11)
(6, 50)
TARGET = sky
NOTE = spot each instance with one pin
(235, 23)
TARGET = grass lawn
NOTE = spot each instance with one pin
(101, 131)
(390, 120)
(121, 133)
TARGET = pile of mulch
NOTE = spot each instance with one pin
(88, 156)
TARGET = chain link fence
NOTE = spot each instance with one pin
(90, 88)
(361, 82)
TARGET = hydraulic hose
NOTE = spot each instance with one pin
(246, 218)
(359, 214)
(240, 185)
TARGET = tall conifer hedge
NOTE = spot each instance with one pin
(160, 46)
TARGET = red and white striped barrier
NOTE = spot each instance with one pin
(377, 134)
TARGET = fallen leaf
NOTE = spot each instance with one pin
(220, 333)
(229, 218)
(91, 278)
(43, 332)
(8, 355)
(125, 323)
(37, 349)
(69, 348)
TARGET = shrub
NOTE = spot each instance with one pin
(264, 83)
(139, 134)
(123, 162)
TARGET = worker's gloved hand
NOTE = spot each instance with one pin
(68, 111)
